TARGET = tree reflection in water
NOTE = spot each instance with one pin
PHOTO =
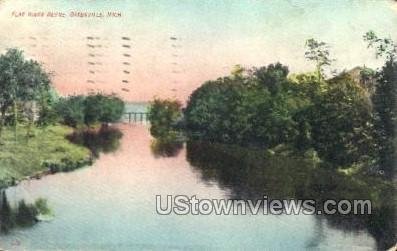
(251, 174)
(106, 139)
(21, 215)
(165, 147)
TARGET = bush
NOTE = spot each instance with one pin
(41, 206)
(164, 116)
(240, 111)
(72, 110)
(332, 117)
(385, 107)
(95, 108)
(341, 123)
(103, 109)
(48, 114)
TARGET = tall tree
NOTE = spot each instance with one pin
(318, 52)
(384, 47)
(21, 83)
(384, 99)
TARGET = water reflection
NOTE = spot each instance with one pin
(22, 215)
(165, 148)
(251, 174)
(106, 139)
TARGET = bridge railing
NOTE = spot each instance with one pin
(136, 117)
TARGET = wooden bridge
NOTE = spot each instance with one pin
(136, 117)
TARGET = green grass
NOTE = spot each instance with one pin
(46, 149)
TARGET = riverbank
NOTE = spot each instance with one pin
(47, 151)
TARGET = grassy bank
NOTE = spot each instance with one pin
(47, 150)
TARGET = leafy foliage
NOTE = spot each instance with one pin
(319, 53)
(164, 116)
(102, 108)
(72, 110)
(22, 82)
(385, 106)
(272, 77)
(383, 46)
(266, 109)
(384, 100)
(341, 123)
(254, 110)
(95, 108)
(48, 114)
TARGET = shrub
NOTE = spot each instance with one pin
(95, 108)
(164, 116)
(41, 206)
(238, 111)
(103, 109)
(333, 117)
(72, 110)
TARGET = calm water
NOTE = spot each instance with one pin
(111, 205)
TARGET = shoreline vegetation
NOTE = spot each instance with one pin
(345, 121)
(47, 152)
(258, 124)
(42, 133)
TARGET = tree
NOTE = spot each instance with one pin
(164, 116)
(237, 71)
(319, 53)
(243, 110)
(384, 99)
(87, 110)
(383, 46)
(71, 110)
(385, 105)
(48, 114)
(341, 123)
(209, 110)
(272, 77)
(332, 117)
(21, 83)
(102, 108)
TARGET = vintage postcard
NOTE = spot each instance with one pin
(198, 125)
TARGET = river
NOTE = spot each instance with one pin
(111, 206)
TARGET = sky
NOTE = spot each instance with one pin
(171, 47)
